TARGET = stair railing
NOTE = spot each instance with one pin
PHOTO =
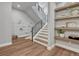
(39, 24)
(40, 9)
(36, 28)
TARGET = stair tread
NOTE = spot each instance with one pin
(44, 30)
(42, 36)
(43, 33)
(42, 41)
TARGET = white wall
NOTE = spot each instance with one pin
(21, 20)
(41, 14)
(5, 23)
(44, 6)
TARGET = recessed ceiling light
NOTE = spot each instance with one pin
(18, 5)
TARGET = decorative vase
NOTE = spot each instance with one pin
(61, 35)
(75, 12)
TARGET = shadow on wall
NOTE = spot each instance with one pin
(22, 23)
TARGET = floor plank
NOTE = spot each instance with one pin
(23, 47)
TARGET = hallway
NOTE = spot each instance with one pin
(22, 47)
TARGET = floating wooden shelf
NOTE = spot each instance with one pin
(68, 29)
(67, 17)
(71, 5)
(67, 39)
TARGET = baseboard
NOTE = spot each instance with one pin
(22, 35)
(5, 44)
(25, 36)
(50, 48)
(67, 47)
(28, 38)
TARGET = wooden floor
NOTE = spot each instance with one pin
(22, 47)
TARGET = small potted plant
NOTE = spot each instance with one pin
(61, 33)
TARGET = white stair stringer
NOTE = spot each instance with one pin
(42, 36)
(40, 31)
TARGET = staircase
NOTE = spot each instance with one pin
(42, 36)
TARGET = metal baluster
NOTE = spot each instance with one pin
(34, 27)
(41, 23)
(32, 34)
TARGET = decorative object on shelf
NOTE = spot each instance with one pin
(60, 32)
(71, 24)
(75, 37)
(77, 25)
(70, 11)
(63, 26)
(62, 13)
(74, 11)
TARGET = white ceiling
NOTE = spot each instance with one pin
(24, 5)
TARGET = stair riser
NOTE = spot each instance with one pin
(42, 39)
(42, 36)
(40, 43)
(45, 34)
